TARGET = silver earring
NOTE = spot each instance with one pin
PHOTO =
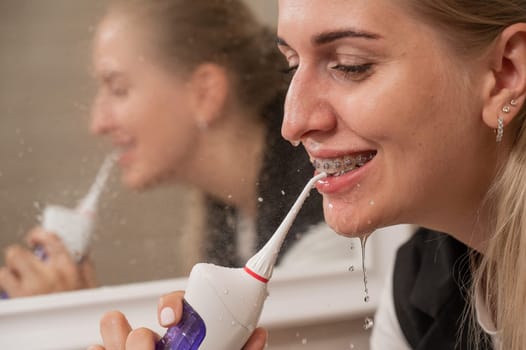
(506, 109)
(514, 102)
(500, 129)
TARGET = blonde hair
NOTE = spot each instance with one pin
(469, 27)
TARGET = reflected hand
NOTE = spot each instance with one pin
(25, 274)
(118, 335)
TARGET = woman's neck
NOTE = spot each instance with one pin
(228, 166)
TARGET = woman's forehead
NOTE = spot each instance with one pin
(307, 23)
(383, 18)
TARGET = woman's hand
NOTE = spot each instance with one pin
(118, 335)
(25, 274)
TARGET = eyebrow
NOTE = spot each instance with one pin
(334, 35)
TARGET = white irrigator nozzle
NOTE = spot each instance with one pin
(263, 262)
(88, 204)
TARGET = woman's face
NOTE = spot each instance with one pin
(140, 106)
(377, 97)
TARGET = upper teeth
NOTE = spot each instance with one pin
(338, 166)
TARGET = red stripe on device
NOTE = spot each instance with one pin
(255, 275)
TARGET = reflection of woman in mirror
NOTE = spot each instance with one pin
(191, 92)
(435, 94)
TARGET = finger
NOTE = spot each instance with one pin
(114, 329)
(9, 282)
(21, 260)
(141, 339)
(257, 340)
(37, 236)
(170, 309)
(96, 347)
(54, 247)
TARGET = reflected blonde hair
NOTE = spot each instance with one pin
(183, 34)
(469, 27)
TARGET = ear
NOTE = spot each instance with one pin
(208, 93)
(507, 83)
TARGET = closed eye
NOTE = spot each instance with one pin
(353, 72)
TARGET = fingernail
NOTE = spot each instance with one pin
(167, 316)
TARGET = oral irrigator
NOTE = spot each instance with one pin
(222, 305)
(74, 226)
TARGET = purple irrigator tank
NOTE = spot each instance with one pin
(187, 334)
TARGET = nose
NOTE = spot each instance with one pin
(307, 108)
(102, 121)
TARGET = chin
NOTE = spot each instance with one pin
(134, 181)
(349, 223)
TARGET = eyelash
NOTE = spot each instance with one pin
(354, 72)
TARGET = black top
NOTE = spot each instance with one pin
(284, 173)
(431, 282)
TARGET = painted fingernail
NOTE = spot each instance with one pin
(167, 316)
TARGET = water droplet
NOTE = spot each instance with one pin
(304, 341)
(368, 323)
(282, 192)
(351, 268)
(260, 200)
(226, 291)
(229, 196)
(234, 323)
(371, 202)
(295, 143)
(358, 185)
(363, 241)
(351, 346)
(331, 205)
(366, 299)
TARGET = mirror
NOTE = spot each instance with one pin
(49, 156)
